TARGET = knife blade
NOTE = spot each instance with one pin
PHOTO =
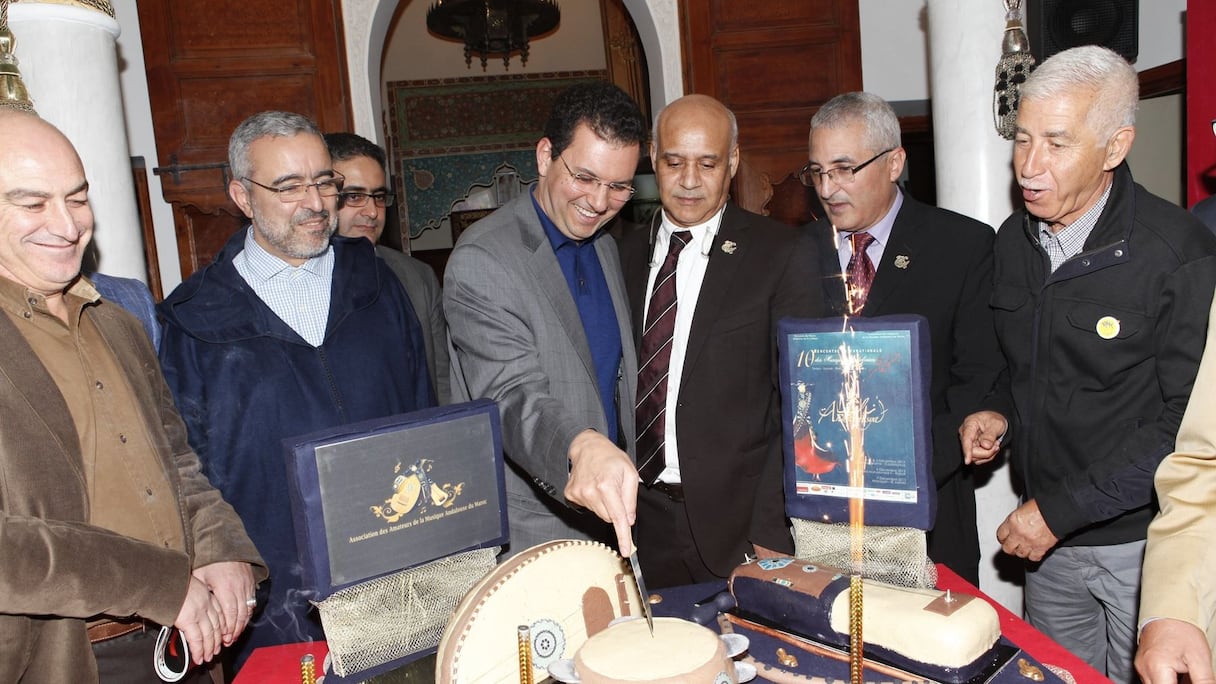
(645, 595)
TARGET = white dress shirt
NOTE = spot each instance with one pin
(690, 272)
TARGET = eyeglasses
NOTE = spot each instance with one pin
(359, 199)
(298, 191)
(588, 183)
(842, 175)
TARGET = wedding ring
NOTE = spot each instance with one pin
(251, 602)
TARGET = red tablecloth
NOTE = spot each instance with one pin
(281, 664)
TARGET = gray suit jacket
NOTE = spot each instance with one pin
(422, 287)
(516, 337)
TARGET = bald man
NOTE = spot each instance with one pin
(109, 528)
(709, 449)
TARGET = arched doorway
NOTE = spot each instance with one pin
(366, 24)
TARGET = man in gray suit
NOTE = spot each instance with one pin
(539, 322)
(362, 208)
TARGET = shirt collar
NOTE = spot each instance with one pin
(881, 231)
(263, 265)
(20, 300)
(1079, 229)
(703, 234)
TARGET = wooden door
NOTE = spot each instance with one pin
(212, 64)
(773, 64)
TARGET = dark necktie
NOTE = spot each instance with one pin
(860, 272)
(654, 362)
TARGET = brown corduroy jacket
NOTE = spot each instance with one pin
(57, 570)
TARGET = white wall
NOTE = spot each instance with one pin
(894, 42)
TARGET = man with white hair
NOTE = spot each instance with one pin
(1101, 299)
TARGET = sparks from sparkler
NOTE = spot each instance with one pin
(855, 423)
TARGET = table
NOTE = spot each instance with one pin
(280, 664)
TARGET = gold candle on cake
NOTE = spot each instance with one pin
(308, 669)
(523, 637)
(854, 423)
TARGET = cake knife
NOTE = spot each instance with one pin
(637, 576)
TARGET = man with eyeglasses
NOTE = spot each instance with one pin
(708, 408)
(538, 322)
(882, 252)
(288, 331)
(362, 210)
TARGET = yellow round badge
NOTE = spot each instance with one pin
(1108, 327)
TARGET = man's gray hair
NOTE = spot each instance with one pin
(263, 125)
(879, 120)
(1092, 69)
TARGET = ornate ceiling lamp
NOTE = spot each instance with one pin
(493, 27)
(12, 89)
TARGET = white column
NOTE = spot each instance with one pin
(974, 177)
(69, 62)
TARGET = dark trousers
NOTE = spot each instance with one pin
(666, 549)
(128, 660)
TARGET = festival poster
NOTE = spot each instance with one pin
(884, 416)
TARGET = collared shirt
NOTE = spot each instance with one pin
(580, 264)
(298, 295)
(690, 273)
(881, 232)
(1070, 240)
(127, 488)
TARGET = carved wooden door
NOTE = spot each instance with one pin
(210, 65)
(773, 64)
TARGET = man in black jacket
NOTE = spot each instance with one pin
(1101, 298)
(927, 261)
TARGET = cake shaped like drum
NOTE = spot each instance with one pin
(563, 591)
(679, 652)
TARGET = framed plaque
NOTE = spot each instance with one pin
(856, 419)
(373, 498)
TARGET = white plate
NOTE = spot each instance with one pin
(736, 644)
(563, 671)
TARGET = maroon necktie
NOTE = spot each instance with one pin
(860, 272)
(654, 362)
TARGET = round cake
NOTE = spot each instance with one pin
(679, 652)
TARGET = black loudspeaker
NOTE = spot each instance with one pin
(1055, 25)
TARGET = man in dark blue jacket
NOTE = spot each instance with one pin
(1101, 298)
(290, 330)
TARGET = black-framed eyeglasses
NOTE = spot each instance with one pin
(298, 191)
(588, 183)
(359, 199)
(841, 175)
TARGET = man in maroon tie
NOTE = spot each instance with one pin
(707, 285)
(882, 252)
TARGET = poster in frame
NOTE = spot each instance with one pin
(376, 497)
(892, 355)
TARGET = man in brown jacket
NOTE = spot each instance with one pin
(108, 529)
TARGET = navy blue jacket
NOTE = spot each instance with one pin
(244, 381)
(1102, 356)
